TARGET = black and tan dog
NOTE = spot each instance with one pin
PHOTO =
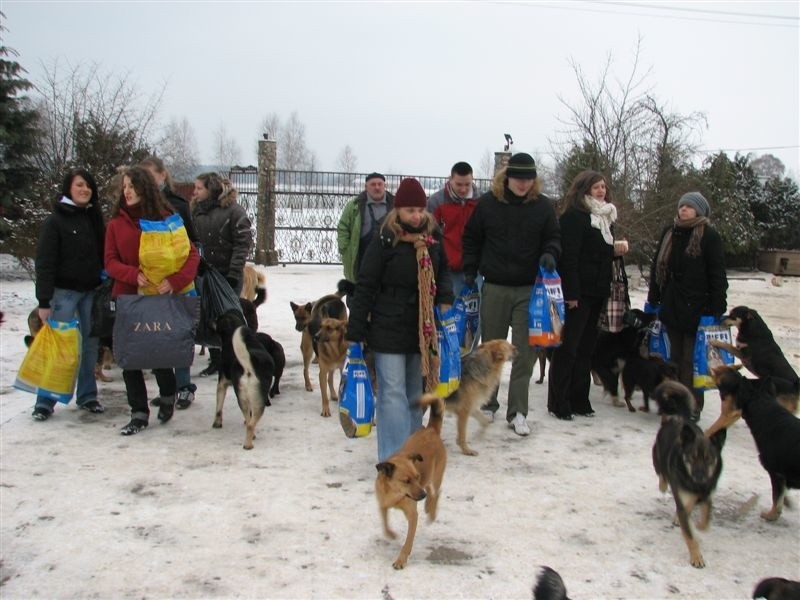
(246, 365)
(278, 355)
(331, 352)
(686, 460)
(413, 473)
(308, 319)
(645, 374)
(760, 354)
(775, 430)
(481, 370)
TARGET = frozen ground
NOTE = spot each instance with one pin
(181, 511)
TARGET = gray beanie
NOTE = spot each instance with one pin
(697, 202)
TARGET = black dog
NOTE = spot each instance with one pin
(686, 460)
(760, 354)
(549, 585)
(777, 588)
(613, 349)
(775, 430)
(278, 357)
(646, 374)
(247, 365)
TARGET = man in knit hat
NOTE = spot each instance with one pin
(360, 219)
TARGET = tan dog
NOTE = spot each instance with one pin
(480, 375)
(331, 351)
(254, 282)
(308, 319)
(413, 473)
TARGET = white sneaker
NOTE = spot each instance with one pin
(488, 414)
(520, 425)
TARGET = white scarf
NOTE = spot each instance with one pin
(603, 214)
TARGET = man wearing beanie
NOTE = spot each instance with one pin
(393, 312)
(359, 221)
(512, 231)
(688, 280)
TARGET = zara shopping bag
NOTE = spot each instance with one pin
(155, 332)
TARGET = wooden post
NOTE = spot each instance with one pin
(265, 225)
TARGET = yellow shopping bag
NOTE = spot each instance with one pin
(50, 367)
(163, 249)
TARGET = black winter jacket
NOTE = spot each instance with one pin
(223, 229)
(182, 208)
(585, 263)
(504, 238)
(385, 306)
(69, 254)
(696, 286)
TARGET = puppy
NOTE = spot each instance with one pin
(613, 349)
(254, 285)
(686, 460)
(247, 366)
(480, 376)
(275, 350)
(775, 430)
(308, 318)
(413, 473)
(331, 351)
(777, 588)
(645, 374)
(760, 354)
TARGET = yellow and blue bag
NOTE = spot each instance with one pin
(357, 403)
(449, 351)
(50, 367)
(546, 310)
(706, 356)
(163, 249)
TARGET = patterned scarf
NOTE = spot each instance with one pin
(698, 227)
(428, 339)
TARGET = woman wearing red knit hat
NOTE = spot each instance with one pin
(392, 311)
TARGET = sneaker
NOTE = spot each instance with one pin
(520, 425)
(40, 414)
(93, 406)
(165, 412)
(211, 369)
(134, 427)
(184, 399)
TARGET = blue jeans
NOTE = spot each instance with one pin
(65, 306)
(399, 379)
(183, 379)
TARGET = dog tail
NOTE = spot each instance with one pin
(345, 288)
(674, 399)
(261, 294)
(549, 585)
(437, 410)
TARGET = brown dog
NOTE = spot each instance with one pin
(254, 284)
(413, 473)
(308, 319)
(480, 376)
(331, 351)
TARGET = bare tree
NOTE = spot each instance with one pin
(486, 166)
(293, 154)
(225, 150)
(178, 149)
(347, 162)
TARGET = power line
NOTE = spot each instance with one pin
(700, 10)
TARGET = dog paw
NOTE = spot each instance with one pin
(400, 563)
(309, 387)
(644, 409)
(697, 561)
(325, 413)
(217, 425)
(770, 515)
(469, 452)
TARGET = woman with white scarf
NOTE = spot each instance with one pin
(588, 249)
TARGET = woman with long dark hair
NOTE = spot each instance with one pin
(69, 260)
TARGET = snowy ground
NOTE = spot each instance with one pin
(181, 511)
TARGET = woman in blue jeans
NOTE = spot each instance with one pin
(69, 259)
(392, 311)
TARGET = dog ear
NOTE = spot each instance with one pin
(416, 457)
(309, 306)
(386, 468)
(294, 306)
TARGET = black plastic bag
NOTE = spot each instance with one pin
(103, 311)
(216, 297)
(155, 332)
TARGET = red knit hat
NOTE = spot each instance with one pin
(410, 194)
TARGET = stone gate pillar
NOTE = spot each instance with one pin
(500, 160)
(265, 219)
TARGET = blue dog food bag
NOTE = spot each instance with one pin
(357, 403)
(707, 356)
(546, 310)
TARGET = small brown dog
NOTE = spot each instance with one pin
(307, 320)
(331, 351)
(413, 473)
(254, 285)
(480, 376)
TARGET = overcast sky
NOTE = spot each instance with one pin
(415, 87)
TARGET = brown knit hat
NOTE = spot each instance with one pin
(410, 194)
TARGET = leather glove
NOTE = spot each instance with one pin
(469, 279)
(547, 262)
(233, 282)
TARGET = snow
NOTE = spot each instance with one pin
(182, 511)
